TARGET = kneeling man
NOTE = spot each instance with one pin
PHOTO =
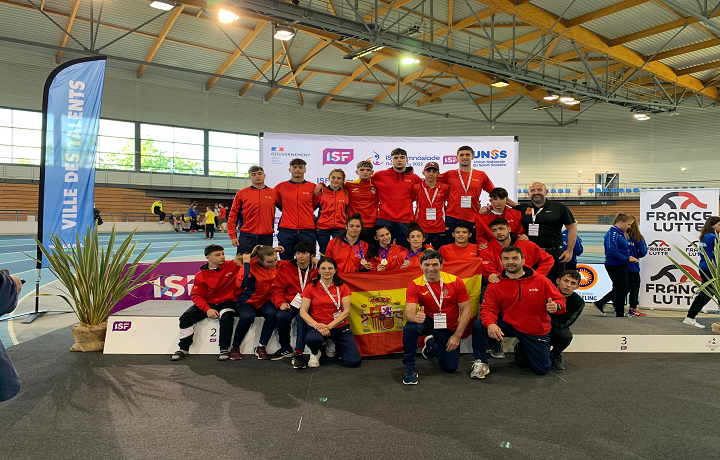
(525, 300)
(437, 305)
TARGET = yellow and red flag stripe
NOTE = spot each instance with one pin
(377, 303)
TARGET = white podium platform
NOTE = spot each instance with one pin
(152, 328)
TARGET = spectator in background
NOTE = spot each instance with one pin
(209, 223)
(96, 215)
(578, 250)
(156, 208)
(708, 242)
(10, 287)
(176, 219)
(192, 214)
(617, 257)
(221, 218)
(638, 249)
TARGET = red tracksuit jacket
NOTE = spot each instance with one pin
(333, 209)
(395, 257)
(287, 282)
(255, 208)
(531, 253)
(522, 302)
(514, 218)
(298, 205)
(215, 286)
(395, 191)
(347, 258)
(255, 282)
(363, 200)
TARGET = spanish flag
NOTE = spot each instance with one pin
(377, 303)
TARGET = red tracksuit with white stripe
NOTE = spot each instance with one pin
(286, 283)
(395, 257)
(363, 200)
(347, 257)
(298, 204)
(333, 208)
(532, 254)
(395, 192)
(514, 218)
(522, 302)
(255, 208)
(215, 286)
(439, 196)
(476, 183)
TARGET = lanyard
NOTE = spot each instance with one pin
(440, 302)
(303, 282)
(410, 255)
(360, 254)
(425, 189)
(538, 212)
(462, 182)
(337, 304)
(384, 255)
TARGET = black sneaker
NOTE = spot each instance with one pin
(428, 350)
(298, 361)
(281, 354)
(178, 355)
(411, 376)
(557, 363)
(599, 307)
(224, 355)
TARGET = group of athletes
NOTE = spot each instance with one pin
(391, 220)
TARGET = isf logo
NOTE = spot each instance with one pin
(337, 156)
(450, 160)
(121, 325)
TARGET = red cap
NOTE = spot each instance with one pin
(431, 165)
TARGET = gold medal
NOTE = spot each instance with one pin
(363, 261)
(384, 262)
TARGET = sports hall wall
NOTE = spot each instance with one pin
(606, 138)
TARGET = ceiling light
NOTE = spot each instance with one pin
(410, 60)
(163, 5)
(552, 96)
(363, 52)
(283, 32)
(543, 107)
(640, 116)
(499, 83)
(227, 17)
(580, 171)
(565, 98)
(573, 102)
(683, 168)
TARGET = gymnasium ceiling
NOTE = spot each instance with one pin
(649, 56)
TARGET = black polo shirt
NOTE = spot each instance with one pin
(552, 218)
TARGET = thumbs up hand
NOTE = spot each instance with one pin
(420, 316)
(551, 306)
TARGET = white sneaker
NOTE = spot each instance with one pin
(314, 359)
(330, 348)
(692, 322)
(479, 370)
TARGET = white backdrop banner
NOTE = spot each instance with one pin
(670, 218)
(497, 156)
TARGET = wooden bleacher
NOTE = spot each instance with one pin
(589, 214)
(115, 204)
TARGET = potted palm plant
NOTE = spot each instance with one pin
(94, 279)
(711, 287)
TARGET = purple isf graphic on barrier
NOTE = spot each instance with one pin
(121, 325)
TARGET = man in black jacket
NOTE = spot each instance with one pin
(560, 334)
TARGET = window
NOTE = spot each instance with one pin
(20, 136)
(116, 145)
(232, 154)
(170, 149)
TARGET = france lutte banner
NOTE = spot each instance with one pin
(669, 219)
(72, 100)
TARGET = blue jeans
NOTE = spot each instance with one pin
(247, 241)
(284, 325)
(451, 222)
(448, 360)
(344, 343)
(398, 230)
(288, 238)
(536, 347)
(324, 237)
(247, 314)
